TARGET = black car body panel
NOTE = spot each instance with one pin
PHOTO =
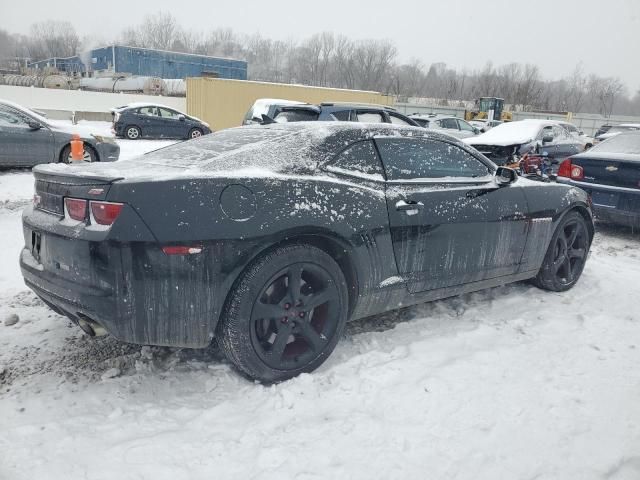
(611, 175)
(240, 192)
(287, 111)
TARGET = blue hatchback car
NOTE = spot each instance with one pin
(146, 120)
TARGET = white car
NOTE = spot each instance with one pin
(586, 141)
(453, 126)
(483, 124)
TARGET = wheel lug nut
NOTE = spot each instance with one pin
(301, 314)
(287, 306)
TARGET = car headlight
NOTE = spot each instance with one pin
(101, 139)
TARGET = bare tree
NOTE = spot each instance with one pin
(52, 39)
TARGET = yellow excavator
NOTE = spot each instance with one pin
(484, 106)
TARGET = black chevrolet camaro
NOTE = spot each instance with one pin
(269, 238)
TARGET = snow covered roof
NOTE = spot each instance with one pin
(511, 133)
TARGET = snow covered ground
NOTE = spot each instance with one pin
(508, 383)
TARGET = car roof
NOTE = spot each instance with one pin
(140, 105)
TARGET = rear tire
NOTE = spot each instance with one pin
(566, 254)
(285, 313)
(132, 132)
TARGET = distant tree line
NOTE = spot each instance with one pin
(327, 59)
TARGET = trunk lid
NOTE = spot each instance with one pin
(621, 170)
(53, 184)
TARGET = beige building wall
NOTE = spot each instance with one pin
(223, 103)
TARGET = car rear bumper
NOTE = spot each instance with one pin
(612, 204)
(132, 289)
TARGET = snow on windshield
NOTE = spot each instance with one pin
(621, 143)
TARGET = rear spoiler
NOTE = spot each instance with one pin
(67, 175)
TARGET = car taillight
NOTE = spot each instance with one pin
(76, 208)
(577, 172)
(105, 213)
(565, 169)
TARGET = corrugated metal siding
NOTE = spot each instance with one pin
(223, 103)
(162, 64)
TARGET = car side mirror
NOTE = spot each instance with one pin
(33, 125)
(547, 139)
(181, 118)
(505, 176)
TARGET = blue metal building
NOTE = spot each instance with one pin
(146, 62)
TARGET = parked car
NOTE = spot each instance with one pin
(148, 120)
(614, 130)
(606, 127)
(506, 143)
(484, 125)
(586, 141)
(28, 139)
(306, 226)
(610, 173)
(453, 126)
(267, 110)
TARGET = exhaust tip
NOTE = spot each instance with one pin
(90, 327)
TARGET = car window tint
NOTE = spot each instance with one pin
(296, 116)
(398, 120)
(465, 126)
(449, 123)
(359, 158)
(10, 119)
(370, 117)
(423, 122)
(342, 115)
(407, 158)
(166, 113)
(151, 111)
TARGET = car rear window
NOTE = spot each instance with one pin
(622, 143)
(296, 116)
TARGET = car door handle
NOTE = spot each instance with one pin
(409, 206)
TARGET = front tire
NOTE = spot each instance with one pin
(195, 133)
(89, 155)
(285, 314)
(566, 255)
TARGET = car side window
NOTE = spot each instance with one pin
(150, 111)
(465, 126)
(342, 115)
(449, 123)
(10, 119)
(166, 113)
(398, 120)
(546, 132)
(296, 116)
(370, 117)
(359, 159)
(421, 158)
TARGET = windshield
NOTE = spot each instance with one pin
(623, 143)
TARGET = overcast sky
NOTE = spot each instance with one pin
(554, 34)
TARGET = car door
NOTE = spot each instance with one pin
(450, 222)
(465, 130)
(170, 125)
(21, 144)
(149, 121)
(451, 126)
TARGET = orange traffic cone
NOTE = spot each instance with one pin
(77, 148)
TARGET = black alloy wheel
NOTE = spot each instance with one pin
(566, 255)
(285, 315)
